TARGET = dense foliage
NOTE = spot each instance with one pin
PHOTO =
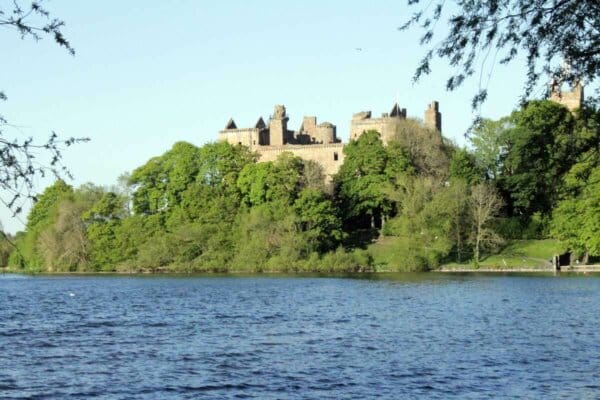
(531, 175)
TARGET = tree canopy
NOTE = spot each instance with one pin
(560, 39)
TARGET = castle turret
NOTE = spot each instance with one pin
(325, 133)
(433, 117)
(309, 126)
(278, 127)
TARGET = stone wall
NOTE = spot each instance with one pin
(247, 136)
(386, 126)
(330, 156)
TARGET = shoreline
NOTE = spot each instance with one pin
(577, 269)
(580, 269)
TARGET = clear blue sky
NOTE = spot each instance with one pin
(149, 73)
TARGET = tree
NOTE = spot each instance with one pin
(482, 32)
(576, 218)
(42, 215)
(318, 220)
(489, 140)
(464, 166)
(19, 167)
(541, 147)
(484, 206)
(425, 148)
(361, 178)
(451, 206)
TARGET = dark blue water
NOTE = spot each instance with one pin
(396, 336)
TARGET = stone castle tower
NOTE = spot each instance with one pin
(433, 117)
(572, 99)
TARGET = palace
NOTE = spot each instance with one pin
(318, 141)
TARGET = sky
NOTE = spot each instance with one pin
(147, 74)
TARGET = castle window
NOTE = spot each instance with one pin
(239, 143)
(254, 142)
(335, 156)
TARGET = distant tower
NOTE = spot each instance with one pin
(572, 99)
(278, 126)
(433, 117)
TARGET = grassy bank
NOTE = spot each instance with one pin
(516, 254)
(389, 254)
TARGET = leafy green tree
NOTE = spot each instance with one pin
(314, 176)
(280, 180)
(7, 247)
(63, 245)
(102, 221)
(317, 219)
(41, 216)
(46, 204)
(490, 140)
(159, 183)
(398, 160)
(266, 238)
(451, 213)
(432, 220)
(56, 239)
(131, 235)
(361, 179)
(464, 166)
(253, 183)
(541, 148)
(576, 219)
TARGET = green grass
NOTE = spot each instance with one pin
(518, 254)
(390, 253)
(387, 251)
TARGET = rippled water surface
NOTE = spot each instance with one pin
(393, 336)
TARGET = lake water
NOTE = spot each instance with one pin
(389, 336)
